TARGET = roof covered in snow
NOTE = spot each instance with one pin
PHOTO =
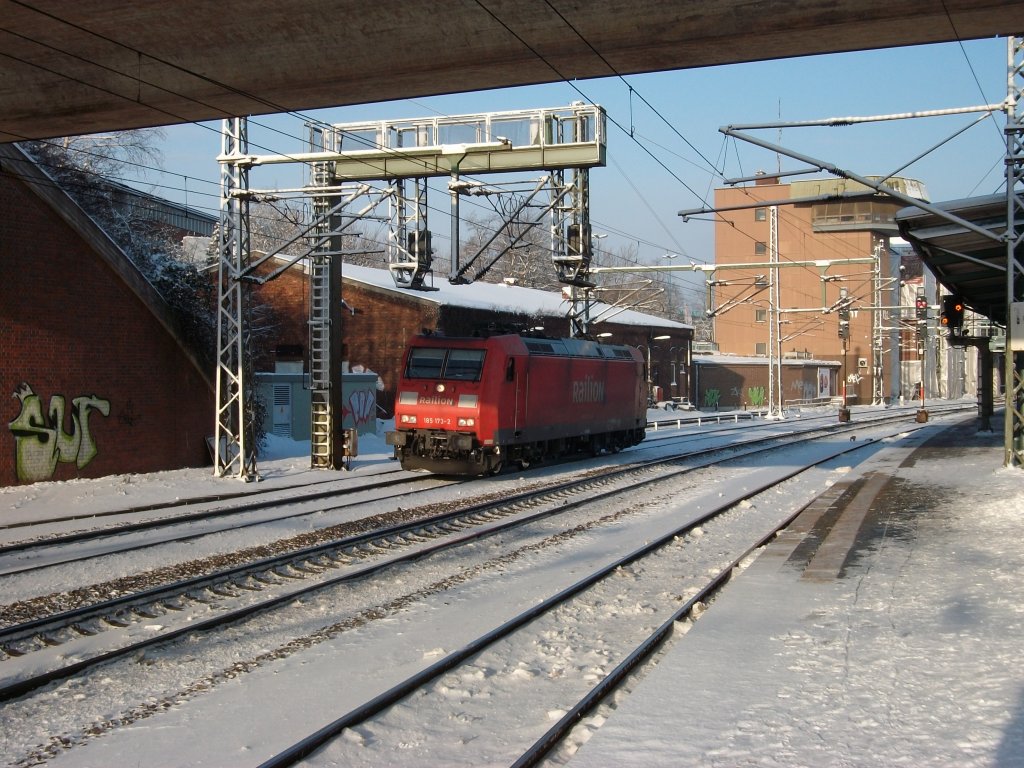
(502, 297)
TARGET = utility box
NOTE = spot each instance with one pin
(288, 403)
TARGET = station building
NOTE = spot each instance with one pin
(823, 220)
(734, 382)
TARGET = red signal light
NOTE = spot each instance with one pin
(952, 313)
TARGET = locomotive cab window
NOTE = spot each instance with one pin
(464, 364)
(454, 364)
(425, 363)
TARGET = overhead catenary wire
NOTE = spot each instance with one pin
(169, 114)
(262, 101)
(271, 105)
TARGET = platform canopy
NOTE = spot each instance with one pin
(964, 260)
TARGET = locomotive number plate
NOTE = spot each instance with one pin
(437, 421)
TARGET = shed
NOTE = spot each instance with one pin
(733, 381)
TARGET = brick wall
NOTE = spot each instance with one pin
(377, 334)
(70, 328)
(287, 322)
(732, 385)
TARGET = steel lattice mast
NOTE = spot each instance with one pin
(559, 138)
(1014, 364)
(234, 452)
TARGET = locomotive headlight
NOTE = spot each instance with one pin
(464, 422)
(439, 387)
(408, 418)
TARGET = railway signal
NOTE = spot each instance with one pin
(952, 316)
(921, 306)
(844, 323)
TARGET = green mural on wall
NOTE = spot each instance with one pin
(756, 396)
(39, 437)
(711, 398)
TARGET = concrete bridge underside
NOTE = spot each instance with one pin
(92, 65)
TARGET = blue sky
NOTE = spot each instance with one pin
(635, 199)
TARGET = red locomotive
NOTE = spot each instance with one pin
(470, 405)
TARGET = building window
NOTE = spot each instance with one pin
(760, 214)
(760, 315)
(761, 349)
(760, 249)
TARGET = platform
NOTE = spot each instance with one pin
(885, 628)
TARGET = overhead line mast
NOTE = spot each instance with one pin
(564, 142)
(1013, 440)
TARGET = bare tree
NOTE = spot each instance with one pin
(111, 155)
(513, 244)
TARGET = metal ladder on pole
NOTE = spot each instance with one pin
(323, 256)
(321, 433)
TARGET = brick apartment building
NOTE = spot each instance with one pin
(812, 224)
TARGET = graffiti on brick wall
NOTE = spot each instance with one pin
(808, 390)
(39, 437)
(711, 398)
(756, 396)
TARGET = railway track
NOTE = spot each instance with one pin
(288, 504)
(92, 634)
(41, 548)
(233, 511)
(697, 558)
(377, 558)
(226, 504)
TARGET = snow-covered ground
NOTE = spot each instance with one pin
(282, 462)
(910, 660)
